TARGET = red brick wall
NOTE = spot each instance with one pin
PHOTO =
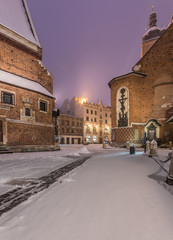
(22, 134)
(150, 96)
(135, 86)
(20, 61)
(13, 112)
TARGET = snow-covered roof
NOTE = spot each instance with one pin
(21, 82)
(169, 120)
(127, 75)
(15, 15)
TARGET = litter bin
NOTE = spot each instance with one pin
(132, 149)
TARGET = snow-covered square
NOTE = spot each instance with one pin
(113, 195)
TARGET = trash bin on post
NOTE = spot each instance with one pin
(132, 149)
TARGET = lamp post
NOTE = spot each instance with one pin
(55, 114)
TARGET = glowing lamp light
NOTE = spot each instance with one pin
(83, 101)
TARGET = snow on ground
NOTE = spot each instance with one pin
(113, 196)
(32, 165)
(29, 166)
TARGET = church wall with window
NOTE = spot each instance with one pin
(150, 86)
(26, 86)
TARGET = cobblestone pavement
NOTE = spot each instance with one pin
(16, 196)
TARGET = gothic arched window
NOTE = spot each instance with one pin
(122, 107)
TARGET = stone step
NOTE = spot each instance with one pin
(4, 150)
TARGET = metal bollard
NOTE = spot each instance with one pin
(169, 178)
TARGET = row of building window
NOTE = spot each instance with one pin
(72, 123)
(95, 119)
(68, 130)
(88, 130)
(92, 112)
(9, 98)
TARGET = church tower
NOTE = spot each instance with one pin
(151, 36)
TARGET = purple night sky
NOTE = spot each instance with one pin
(86, 43)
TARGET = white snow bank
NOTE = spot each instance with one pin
(83, 150)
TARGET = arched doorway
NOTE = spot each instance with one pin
(152, 129)
(94, 139)
(88, 139)
(151, 132)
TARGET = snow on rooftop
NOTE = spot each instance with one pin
(18, 81)
(151, 29)
(14, 14)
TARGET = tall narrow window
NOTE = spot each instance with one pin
(122, 107)
(27, 112)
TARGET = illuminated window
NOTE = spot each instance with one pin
(106, 130)
(94, 129)
(88, 129)
(7, 98)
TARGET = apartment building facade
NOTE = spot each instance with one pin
(96, 119)
(70, 129)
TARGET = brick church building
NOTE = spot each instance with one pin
(142, 100)
(26, 86)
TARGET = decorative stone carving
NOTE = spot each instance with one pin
(26, 113)
(123, 114)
